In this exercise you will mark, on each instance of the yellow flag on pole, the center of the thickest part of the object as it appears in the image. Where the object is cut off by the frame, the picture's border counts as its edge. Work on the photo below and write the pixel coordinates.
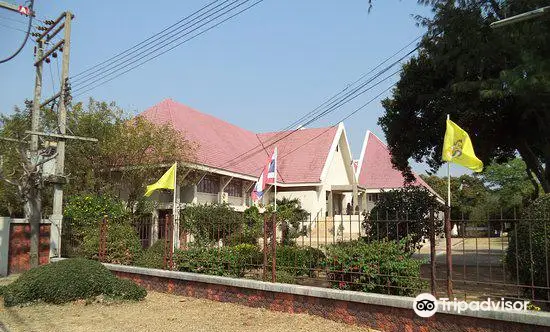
(165, 182)
(458, 148)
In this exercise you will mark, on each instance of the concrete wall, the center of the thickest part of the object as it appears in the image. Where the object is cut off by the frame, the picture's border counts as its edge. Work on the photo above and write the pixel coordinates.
(4, 244)
(378, 311)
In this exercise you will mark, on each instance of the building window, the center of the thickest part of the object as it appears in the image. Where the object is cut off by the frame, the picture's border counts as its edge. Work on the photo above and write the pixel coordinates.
(208, 184)
(234, 188)
(373, 197)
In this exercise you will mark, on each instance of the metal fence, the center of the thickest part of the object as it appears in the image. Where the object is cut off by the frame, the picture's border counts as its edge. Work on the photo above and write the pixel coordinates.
(488, 257)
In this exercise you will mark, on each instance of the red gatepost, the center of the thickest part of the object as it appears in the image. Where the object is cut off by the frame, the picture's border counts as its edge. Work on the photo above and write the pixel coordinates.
(103, 239)
(168, 243)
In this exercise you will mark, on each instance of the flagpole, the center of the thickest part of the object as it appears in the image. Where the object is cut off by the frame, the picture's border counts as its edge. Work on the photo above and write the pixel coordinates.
(448, 241)
(275, 182)
(175, 217)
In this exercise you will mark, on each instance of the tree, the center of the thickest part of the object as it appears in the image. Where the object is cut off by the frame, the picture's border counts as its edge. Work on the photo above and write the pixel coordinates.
(291, 218)
(493, 83)
(25, 167)
(128, 152)
(405, 213)
(127, 156)
(511, 182)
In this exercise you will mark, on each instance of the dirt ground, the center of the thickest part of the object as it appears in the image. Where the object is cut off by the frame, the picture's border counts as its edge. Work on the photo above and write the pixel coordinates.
(160, 312)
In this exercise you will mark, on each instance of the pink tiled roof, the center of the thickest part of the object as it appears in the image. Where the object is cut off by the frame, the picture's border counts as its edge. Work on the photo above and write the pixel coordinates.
(376, 170)
(225, 146)
(303, 154)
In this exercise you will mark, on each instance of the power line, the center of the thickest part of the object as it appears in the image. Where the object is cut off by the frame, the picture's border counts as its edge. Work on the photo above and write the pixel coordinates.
(170, 48)
(335, 124)
(245, 156)
(162, 41)
(28, 32)
(13, 28)
(142, 42)
(356, 92)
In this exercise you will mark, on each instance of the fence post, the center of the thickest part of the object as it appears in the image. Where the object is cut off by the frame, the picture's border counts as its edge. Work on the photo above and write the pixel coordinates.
(102, 239)
(448, 251)
(168, 240)
(432, 254)
(265, 249)
(274, 248)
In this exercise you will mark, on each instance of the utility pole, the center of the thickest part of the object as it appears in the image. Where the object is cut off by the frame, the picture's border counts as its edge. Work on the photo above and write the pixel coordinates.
(63, 22)
(35, 206)
(57, 215)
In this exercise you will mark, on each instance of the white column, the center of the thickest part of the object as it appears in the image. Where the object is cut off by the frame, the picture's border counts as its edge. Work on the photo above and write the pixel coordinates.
(4, 244)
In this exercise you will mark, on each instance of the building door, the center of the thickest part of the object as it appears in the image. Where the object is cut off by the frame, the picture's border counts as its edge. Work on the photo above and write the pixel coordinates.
(162, 222)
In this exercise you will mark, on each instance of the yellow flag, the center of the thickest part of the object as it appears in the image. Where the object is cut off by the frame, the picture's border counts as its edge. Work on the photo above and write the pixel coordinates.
(165, 182)
(457, 148)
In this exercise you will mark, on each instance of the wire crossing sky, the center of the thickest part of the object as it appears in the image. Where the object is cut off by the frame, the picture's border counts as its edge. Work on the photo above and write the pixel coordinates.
(260, 70)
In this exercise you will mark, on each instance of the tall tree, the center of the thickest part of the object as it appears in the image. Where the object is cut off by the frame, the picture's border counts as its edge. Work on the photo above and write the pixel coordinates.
(493, 83)
(126, 157)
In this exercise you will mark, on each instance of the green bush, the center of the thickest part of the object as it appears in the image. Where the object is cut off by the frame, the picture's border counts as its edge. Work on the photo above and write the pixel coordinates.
(298, 261)
(378, 267)
(225, 261)
(125, 289)
(69, 280)
(210, 223)
(2, 289)
(528, 249)
(122, 247)
(284, 277)
(152, 257)
(87, 211)
(413, 206)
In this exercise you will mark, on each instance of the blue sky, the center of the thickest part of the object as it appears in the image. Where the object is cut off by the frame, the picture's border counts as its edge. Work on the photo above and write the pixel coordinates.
(261, 70)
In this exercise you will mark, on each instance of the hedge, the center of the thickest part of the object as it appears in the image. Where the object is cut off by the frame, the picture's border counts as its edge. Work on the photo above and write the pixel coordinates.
(122, 247)
(224, 261)
(69, 280)
(298, 261)
(152, 257)
(529, 248)
(378, 267)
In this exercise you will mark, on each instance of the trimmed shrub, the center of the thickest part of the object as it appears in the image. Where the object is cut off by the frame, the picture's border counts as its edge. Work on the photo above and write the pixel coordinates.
(122, 247)
(528, 248)
(209, 223)
(2, 289)
(378, 267)
(69, 280)
(284, 277)
(225, 261)
(86, 211)
(152, 257)
(299, 261)
(125, 289)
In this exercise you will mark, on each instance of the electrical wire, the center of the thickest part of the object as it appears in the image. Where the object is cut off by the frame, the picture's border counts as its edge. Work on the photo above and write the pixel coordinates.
(13, 28)
(142, 42)
(153, 48)
(26, 36)
(356, 92)
(243, 157)
(174, 46)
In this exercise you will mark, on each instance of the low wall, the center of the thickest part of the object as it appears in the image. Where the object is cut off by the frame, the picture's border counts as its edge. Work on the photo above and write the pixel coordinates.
(384, 312)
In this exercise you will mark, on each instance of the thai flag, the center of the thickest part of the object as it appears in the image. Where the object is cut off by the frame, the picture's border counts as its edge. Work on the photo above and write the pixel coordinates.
(268, 176)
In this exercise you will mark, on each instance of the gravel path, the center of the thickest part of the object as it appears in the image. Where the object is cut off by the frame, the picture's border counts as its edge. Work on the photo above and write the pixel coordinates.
(161, 312)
